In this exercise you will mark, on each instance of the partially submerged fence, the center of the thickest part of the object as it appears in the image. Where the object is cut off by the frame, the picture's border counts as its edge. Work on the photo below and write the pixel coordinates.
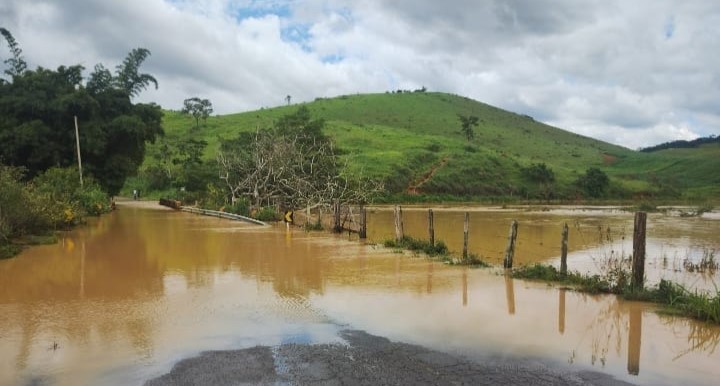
(638, 257)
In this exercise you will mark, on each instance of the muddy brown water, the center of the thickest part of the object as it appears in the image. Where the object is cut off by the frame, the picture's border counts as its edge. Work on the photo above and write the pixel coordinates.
(122, 299)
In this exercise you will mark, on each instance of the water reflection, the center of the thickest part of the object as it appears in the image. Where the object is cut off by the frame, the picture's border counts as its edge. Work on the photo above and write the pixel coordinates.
(561, 311)
(595, 237)
(510, 294)
(122, 299)
(634, 340)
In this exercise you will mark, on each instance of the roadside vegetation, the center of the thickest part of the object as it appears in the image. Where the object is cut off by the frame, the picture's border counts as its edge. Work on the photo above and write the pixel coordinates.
(31, 211)
(40, 188)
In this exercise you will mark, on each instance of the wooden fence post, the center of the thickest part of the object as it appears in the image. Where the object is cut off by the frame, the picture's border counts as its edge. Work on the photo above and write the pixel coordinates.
(638, 259)
(336, 214)
(563, 250)
(363, 223)
(399, 233)
(510, 250)
(466, 227)
(431, 227)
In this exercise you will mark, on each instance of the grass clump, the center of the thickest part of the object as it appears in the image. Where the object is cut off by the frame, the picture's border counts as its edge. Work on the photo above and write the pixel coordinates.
(673, 297)
(587, 283)
(417, 245)
(9, 250)
(438, 251)
(313, 226)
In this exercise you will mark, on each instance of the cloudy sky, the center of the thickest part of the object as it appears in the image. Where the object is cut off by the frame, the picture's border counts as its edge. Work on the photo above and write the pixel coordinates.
(634, 73)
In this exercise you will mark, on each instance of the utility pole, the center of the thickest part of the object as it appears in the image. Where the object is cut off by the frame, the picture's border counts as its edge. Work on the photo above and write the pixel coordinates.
(77, 143)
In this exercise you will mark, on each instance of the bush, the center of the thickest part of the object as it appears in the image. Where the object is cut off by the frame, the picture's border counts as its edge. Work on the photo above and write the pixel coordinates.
(594, 182)
(241, 207)
(267, 214)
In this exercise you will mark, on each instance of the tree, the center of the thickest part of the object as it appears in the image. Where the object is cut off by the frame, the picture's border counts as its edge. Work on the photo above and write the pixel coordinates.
(542, 175)
(37, 130)
(16, 62)
(594, 182)
(291, 164)
(127, 76)
(198, 108)
(288, 98)
(468, 123)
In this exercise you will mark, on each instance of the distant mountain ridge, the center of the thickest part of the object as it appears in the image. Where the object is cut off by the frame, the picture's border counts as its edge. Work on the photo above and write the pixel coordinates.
(682, 144)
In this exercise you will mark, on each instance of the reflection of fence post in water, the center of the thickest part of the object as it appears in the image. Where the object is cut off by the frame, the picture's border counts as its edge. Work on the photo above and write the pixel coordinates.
(634, 340)
(398, 224)
(429, 277)
(336, 217)
(464, 287)
(638, 260)
(563, 250)
(561, 312)
(363, 223)
(510, 294)
(510, 250)
(466, 228)
(431, 227)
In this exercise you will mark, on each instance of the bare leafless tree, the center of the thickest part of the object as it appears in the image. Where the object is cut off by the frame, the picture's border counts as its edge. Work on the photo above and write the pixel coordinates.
(295, 168)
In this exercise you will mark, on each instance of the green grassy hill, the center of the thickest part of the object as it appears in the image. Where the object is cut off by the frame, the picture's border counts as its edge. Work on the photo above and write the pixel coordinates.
(413, 141)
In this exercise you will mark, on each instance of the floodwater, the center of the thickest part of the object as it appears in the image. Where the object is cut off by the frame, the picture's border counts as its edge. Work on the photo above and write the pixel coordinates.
(121, 300)
(599, 238)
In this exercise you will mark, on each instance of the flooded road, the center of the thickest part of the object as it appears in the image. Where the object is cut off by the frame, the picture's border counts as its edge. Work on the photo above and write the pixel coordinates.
(121, 300)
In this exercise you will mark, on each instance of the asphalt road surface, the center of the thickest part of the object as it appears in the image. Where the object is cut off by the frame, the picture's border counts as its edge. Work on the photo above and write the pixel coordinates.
(364, 360)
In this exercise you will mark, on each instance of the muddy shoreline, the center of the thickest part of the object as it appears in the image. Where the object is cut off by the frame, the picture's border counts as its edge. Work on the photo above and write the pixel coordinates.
(365, 360)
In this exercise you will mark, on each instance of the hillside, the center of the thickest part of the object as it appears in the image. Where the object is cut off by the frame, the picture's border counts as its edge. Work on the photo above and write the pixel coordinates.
(413, 141)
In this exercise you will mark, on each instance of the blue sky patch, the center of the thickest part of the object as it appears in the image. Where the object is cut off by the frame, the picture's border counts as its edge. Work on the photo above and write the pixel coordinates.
(298, 34)
(332, 59)
(669, 28)
(259, 10)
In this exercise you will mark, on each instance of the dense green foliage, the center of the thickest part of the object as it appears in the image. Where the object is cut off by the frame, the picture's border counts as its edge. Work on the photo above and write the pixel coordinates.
(414, 139)
(38, 108)
(52, 200)
(594, 182)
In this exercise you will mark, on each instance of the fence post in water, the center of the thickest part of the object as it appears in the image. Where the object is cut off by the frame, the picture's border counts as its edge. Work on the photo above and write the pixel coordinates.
(431, 227)
(563, 250)
(398, 224)
(510, 250)
(638, 259)
(363, 223)
(336, 217)
(466, 227)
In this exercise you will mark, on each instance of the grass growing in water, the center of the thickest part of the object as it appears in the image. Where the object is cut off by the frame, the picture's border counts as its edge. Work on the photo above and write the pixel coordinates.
(674, 298)
(9, 250)
(439, 251)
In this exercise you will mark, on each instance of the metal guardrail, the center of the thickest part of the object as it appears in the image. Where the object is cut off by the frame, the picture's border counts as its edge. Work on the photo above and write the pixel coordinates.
(215, 213)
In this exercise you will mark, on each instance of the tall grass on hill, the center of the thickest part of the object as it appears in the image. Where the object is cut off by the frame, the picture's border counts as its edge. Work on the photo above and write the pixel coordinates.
(401, 137)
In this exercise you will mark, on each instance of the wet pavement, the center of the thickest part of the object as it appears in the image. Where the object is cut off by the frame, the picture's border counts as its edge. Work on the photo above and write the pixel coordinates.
(364, 360)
